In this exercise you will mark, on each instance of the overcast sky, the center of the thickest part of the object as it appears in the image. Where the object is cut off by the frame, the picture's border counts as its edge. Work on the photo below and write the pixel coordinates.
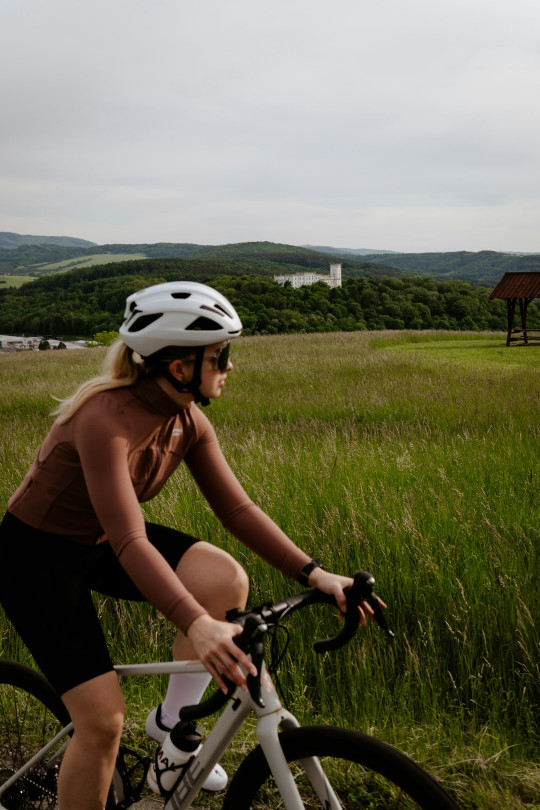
(408, 126)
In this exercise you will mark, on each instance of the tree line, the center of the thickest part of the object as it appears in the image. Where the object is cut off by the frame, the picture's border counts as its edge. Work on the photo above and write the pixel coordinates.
(375, 302)
(81, 303)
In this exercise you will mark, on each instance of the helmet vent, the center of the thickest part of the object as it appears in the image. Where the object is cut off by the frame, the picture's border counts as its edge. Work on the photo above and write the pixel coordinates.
(217, 309)
(180, 295)
(144, 321)
(203, 324)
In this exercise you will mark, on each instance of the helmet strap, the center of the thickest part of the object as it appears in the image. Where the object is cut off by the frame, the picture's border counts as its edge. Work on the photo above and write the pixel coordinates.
(192, 387)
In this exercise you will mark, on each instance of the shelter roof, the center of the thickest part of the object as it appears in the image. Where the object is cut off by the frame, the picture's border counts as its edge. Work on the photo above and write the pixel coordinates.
(518, 285)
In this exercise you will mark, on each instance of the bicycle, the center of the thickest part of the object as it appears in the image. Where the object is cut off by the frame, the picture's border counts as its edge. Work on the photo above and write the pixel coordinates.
(292, 766)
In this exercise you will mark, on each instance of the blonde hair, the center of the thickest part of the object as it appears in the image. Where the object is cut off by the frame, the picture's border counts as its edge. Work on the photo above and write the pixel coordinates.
(122, 367)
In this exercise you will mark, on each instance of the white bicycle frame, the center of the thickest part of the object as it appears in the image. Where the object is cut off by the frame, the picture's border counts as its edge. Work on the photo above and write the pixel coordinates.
(270, 719)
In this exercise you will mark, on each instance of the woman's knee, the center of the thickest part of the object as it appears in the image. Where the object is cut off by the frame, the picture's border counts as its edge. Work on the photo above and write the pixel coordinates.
(213, 576)
(232, 575)
(97, 709)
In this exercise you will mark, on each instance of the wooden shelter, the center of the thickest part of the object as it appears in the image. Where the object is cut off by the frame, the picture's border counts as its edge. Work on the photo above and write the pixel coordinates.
(522, 287)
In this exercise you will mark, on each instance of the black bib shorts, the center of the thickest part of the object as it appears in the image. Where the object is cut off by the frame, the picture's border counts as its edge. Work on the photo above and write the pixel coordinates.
(46, 584)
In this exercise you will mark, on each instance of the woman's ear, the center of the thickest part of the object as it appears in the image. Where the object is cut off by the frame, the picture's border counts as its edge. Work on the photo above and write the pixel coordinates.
(176, 368)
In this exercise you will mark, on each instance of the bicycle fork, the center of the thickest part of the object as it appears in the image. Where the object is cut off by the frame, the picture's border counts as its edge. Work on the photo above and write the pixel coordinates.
(267, 733)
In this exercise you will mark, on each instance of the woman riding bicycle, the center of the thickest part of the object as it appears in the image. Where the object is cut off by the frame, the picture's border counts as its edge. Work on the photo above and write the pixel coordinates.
(75, 526)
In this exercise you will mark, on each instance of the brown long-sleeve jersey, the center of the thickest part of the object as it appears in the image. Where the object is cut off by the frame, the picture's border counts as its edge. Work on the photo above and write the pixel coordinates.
(118, 450)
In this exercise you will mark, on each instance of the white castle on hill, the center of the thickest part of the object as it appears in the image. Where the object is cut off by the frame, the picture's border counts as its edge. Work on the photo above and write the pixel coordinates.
(302, 279)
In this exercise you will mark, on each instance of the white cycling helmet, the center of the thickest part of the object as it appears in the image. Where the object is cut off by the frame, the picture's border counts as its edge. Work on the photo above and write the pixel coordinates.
(177, 313)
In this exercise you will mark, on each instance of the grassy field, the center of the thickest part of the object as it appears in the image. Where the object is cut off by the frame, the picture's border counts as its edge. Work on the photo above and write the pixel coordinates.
(412, 455)
(83, 261)
(76, 263)
(86, 261)
(14, 281)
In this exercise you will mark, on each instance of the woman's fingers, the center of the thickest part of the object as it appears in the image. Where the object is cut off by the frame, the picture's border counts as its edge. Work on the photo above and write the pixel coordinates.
(214, 644)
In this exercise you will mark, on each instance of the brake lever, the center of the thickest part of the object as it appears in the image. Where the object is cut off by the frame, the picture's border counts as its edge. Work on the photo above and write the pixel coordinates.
(251, 640)
(360, 591)
(378, 615)
(254, 681)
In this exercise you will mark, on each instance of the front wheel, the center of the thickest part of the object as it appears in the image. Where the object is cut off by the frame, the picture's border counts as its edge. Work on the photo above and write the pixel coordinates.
(364, 774)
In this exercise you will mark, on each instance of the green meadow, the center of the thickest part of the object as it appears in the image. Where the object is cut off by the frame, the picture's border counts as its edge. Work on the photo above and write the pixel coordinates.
(14, 281)
(85, 261)
(412, 455)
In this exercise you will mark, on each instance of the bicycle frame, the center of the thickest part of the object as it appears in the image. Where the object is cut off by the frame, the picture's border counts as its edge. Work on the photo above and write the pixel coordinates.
(270, 719)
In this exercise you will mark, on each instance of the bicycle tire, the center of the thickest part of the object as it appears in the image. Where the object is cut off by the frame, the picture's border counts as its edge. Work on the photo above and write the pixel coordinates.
(365, 773)
(31, 713)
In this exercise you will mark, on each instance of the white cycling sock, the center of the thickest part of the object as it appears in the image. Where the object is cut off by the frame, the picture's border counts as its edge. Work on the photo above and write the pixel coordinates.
(184, 689)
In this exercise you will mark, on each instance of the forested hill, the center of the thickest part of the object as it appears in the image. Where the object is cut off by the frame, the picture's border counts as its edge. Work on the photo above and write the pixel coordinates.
(84, 302)
(11, 241)
(45, 259)
(37, 260)
(485, 267)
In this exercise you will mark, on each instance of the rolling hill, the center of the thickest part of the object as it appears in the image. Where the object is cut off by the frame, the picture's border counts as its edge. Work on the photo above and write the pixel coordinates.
(27, 256)
(11, 241)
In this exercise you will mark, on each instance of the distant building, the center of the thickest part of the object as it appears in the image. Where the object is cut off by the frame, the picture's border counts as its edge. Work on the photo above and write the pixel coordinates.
(14, 343)
(303, 279)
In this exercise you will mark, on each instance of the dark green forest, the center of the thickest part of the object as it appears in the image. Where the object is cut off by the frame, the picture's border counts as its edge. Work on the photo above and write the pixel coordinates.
(86, 301)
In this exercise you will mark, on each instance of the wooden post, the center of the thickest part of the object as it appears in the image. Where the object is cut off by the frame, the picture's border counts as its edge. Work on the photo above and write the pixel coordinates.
(511, 311)
(523, 313)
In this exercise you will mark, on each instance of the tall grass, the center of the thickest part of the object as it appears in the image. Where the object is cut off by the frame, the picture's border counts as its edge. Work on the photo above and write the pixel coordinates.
(397, 453)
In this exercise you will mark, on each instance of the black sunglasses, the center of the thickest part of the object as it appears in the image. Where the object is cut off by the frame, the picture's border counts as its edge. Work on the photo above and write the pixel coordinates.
(222, 358)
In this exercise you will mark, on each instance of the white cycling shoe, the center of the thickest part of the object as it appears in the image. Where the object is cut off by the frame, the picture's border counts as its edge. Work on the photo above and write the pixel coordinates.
(155, 729)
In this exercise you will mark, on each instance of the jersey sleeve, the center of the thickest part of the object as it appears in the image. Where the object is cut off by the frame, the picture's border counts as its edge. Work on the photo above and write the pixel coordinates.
(235, 509)
(102, 441)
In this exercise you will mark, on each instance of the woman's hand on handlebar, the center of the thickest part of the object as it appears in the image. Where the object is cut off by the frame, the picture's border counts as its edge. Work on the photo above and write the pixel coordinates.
(214, 646)
(335, 585)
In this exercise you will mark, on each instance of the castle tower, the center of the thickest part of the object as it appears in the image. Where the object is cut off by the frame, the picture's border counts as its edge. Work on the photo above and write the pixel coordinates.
(335, 275)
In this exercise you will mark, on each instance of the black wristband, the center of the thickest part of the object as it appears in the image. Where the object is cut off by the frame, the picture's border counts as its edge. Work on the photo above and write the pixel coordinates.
(302, 577)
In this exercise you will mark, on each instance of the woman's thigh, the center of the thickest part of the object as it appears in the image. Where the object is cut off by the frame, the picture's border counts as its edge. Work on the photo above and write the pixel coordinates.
(43, 593)
(46, 585)
(111, 579)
